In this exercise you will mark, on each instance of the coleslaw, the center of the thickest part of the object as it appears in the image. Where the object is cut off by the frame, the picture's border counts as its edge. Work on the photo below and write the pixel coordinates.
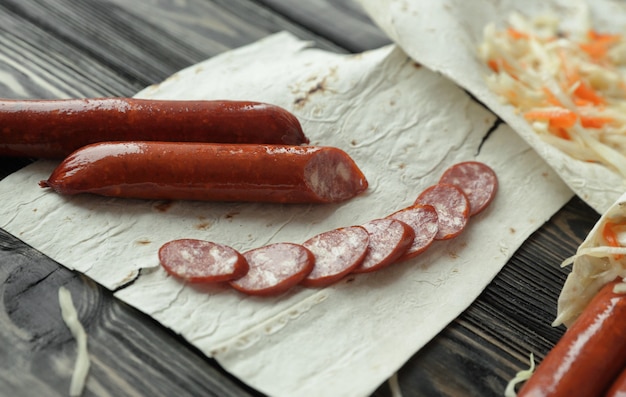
(570, 87)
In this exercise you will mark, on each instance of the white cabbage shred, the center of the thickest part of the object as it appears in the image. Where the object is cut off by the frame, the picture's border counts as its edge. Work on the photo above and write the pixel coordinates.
(70, 317)
(520, 377)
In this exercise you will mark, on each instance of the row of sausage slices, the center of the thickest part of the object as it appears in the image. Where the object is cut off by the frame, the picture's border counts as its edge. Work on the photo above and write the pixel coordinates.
(440, 212)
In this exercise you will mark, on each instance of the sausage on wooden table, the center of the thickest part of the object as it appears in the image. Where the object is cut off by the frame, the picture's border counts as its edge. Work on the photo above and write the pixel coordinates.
(55, 128)
(591, 353)
(210, 172)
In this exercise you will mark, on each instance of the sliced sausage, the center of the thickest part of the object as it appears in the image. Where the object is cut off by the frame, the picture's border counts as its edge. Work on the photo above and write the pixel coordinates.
(210, 172)
(274, 269)
(202, 261)
(591, 353)
(337, 252)
(452, 208)
(477, 180)
(389, 240)
(55, 128)
(424, 222)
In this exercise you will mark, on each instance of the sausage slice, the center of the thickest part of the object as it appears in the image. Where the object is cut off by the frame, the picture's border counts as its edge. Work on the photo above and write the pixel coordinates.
(274, 269)
(202, 261)
(337, 252)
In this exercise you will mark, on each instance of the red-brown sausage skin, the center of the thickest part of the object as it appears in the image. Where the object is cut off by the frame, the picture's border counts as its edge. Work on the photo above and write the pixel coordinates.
(590, 354)
(210, 172)
(55, 128)
(618, 388)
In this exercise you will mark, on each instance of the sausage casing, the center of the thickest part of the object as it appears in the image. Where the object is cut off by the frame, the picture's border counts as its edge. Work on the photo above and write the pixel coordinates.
(590, 354)
(210, 172)
(55, 128)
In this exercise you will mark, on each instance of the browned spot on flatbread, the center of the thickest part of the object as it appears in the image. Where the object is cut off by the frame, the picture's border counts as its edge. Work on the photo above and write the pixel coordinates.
(512, 230)
(319, 87)
(301, 101)
(143, 242)
(163, 206)
(203, 225)
(231, 214)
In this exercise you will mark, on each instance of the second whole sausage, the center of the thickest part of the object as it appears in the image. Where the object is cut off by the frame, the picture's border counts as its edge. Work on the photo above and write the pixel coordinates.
(210, 172)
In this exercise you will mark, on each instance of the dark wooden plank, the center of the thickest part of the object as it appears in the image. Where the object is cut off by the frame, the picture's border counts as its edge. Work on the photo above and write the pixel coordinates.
(130, 354)
(350, 27)
(146, 41)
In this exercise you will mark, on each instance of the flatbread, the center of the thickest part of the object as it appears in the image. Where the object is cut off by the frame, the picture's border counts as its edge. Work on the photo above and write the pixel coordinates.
(403, 125)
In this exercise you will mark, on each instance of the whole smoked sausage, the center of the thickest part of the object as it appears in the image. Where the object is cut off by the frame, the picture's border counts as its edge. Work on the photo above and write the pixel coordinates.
(210, 172)
(589, 356)
(55, 128)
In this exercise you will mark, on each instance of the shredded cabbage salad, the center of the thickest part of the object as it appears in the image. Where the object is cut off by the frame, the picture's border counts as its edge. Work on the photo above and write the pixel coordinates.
(570, 87)
(600, 259)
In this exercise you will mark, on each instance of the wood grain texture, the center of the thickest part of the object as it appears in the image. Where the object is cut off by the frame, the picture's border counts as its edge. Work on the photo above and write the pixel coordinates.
(90, 48)
(130, 354)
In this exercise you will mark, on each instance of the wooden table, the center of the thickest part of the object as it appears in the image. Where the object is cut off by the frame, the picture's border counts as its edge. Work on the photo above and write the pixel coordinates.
(94, 48)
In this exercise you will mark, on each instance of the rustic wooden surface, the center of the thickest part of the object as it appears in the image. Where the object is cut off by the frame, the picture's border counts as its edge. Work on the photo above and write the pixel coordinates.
(91, 48)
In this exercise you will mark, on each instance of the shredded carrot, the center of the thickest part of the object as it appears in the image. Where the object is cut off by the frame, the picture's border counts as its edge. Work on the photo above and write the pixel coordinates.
(516, 34)
(558, 118)
(594, 122)
(493, 65)
(560, 133)
(598, 44)
(604, 37)
(608, 233)
(581, 102)
(551, 98)
(585, 92)
(499, 64)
